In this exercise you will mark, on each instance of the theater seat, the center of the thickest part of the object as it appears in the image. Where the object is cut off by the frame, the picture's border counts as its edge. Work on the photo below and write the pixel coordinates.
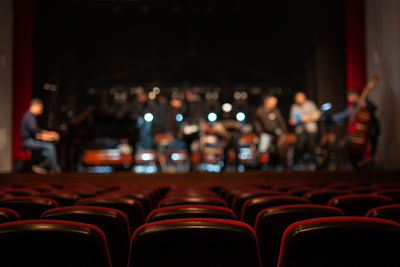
(359, 204)
(391, 212)
(132, 208)
(49, 243)
(63, 198)
(393, 193)
(272, 222)
(253, 206)
(174, 201)
(191, 193)
(300, 191)
(21, 192)
(190, 211)
(8, 215)
(322, 196)
(341, 241)
(112, 222)
(29, 207)
(194, 242)
(143, 198)
(5, 195)
(240, 198)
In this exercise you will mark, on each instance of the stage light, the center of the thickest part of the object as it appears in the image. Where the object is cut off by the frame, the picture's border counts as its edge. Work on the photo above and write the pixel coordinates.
(179, 117)
(148, 117)
(237, 95)
(152, 95)
(147, 156)
(175, 156)
(326, 106)
(227, 107)
(212, 117)
(156, 90)
(215, 95)
(240, 116)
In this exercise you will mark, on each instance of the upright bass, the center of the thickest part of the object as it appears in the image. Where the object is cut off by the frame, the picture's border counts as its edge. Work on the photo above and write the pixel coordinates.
(359, 126)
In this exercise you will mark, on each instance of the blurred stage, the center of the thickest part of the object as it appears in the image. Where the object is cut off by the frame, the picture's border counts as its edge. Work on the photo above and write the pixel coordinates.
(290, 178)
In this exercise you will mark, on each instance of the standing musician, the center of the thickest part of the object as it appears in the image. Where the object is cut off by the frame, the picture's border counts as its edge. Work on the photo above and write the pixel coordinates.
(304, 115)
(362, 125)
(35, 138)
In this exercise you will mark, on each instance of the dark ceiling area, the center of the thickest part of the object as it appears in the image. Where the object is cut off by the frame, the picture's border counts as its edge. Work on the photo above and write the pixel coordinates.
(100, 44)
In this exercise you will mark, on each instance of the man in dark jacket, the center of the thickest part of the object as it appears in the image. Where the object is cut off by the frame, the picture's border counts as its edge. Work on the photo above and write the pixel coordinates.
(271, 128)
(34, 137)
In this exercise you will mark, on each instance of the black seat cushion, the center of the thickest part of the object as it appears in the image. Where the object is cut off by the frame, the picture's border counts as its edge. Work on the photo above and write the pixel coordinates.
(194, 242)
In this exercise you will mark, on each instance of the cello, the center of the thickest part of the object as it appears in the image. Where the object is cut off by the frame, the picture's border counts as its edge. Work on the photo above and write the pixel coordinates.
(359, 127)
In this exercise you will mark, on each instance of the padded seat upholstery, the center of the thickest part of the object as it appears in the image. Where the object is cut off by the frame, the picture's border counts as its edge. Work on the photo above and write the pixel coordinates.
(112, 222)
(272, 222)
(190, 211)
(29, 207)
(49, 243)
(341, 241)
(194, 242)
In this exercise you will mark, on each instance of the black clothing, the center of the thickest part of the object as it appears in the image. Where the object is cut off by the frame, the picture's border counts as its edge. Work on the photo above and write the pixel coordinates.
(271, 122)
(170, 123)
(29, 126)
(193, 111)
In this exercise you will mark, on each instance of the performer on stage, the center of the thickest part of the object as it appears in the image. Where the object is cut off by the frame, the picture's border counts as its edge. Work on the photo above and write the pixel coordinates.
(351, 113)
(271, 128)
(35, 138)
(304, 115)
(139, 107)
(172, 125)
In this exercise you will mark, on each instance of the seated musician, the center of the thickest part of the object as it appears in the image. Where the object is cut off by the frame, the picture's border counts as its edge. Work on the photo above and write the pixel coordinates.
(271, 128)
(304, 115)
(351, 113)
(35, 138)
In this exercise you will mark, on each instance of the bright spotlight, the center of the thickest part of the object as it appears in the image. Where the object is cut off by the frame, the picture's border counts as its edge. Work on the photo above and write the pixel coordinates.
(240, 116)
(326, 106)
(179, 117)
(227, 107)
(212, 117)
(148, 117)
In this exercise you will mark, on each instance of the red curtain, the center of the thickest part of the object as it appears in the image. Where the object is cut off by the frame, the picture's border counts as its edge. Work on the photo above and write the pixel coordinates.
(22, 69)
(355, 44)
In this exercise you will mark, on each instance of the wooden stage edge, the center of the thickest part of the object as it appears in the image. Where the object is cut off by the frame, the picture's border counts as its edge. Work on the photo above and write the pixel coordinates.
(197, 178)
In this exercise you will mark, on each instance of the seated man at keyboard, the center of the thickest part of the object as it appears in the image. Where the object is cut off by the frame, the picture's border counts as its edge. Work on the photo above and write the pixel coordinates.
(35, 138)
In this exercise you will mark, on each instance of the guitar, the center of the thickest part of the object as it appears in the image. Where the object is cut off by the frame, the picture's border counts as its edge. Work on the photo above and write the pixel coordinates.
(360, 126)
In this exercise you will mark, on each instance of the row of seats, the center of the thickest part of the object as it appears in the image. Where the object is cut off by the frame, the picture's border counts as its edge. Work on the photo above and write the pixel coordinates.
(197, 226)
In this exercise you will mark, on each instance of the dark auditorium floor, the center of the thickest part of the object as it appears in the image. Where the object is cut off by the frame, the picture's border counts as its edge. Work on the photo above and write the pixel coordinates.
(197, 178)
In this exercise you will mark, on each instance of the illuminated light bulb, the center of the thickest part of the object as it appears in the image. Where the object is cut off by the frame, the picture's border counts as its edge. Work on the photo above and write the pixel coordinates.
(212, 117)
(179, 117)
(240, 116)
(148, 117)
(227, 107)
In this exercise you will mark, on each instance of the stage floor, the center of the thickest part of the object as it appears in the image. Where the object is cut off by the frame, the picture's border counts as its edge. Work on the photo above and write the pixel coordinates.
(201, 178)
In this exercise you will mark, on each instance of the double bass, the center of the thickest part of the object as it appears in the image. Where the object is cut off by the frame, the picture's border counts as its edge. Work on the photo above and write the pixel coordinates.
(359, 127)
